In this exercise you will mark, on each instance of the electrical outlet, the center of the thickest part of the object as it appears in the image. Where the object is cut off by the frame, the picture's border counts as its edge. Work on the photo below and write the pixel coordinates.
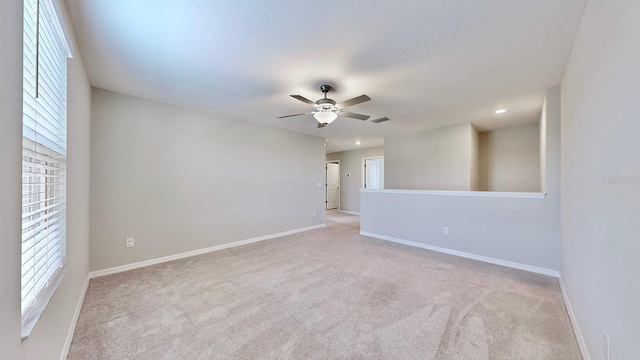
(605, 345)
(445, 230)
(315, 213)
(131, 242)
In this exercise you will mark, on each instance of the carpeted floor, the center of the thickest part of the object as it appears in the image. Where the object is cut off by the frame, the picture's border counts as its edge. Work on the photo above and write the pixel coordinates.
(324, 294)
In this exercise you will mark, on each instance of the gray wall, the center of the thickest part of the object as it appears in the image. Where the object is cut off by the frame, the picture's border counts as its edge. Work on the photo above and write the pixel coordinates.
(474, 159)
(550, 149)
(437, 159)
(543, 148)
(10, 175)
(510, 159)
(180, 180)
(525, 231)
(515, 230)
(48, 337)
(600, 165)
(351, 175)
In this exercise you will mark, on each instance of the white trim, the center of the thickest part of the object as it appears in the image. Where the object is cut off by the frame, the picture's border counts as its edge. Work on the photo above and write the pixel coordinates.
(574, 322)
(487, 259)
(491, 194)
(137, 265)
(74, 321)
(350, 212)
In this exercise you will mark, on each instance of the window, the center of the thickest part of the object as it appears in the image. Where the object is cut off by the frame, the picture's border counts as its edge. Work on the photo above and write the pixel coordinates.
(44, 153)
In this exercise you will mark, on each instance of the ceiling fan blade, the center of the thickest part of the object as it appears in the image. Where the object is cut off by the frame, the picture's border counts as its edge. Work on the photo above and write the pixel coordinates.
(286, 116)
(353, 115)
(354, 101)
(303, 99)
(321, 125)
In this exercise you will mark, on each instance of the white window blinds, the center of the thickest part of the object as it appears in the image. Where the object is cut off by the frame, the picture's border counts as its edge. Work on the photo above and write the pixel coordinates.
(44, 153)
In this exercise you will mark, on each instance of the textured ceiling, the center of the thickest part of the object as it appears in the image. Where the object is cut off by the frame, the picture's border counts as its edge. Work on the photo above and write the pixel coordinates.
(425, 64)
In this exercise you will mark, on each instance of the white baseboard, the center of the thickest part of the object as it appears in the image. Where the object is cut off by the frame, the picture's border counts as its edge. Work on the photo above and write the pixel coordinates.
(349, 212)
(574, 322)
(74, 321)
(137, 265)
(487, 259)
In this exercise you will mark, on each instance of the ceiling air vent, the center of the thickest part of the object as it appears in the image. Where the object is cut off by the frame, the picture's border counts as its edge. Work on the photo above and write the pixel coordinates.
(379, 120)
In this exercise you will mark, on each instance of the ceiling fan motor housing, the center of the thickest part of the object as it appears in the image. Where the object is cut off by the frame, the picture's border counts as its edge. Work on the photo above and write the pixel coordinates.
(326, 105)
(325, 102)
(325, 88)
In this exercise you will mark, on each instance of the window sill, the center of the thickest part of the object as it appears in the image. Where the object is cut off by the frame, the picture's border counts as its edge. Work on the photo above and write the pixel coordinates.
(33, 315)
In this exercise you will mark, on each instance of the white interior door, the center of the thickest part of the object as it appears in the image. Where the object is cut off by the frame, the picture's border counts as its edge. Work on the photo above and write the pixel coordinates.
(374, 173)
(333, 186)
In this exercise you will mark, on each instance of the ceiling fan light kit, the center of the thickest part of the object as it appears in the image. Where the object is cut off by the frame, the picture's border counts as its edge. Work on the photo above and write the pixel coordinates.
(326, 110)
(325, 116)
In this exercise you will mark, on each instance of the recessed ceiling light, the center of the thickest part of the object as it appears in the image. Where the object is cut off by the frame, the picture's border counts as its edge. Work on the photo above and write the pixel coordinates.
(357, 142)
(500, 111)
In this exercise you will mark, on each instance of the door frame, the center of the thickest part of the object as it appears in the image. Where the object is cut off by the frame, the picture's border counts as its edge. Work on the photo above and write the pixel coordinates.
(362, 167)
(326, 185)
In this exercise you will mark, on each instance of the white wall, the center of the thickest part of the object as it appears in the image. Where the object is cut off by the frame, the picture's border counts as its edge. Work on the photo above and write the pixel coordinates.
(180, 180)
(510, 159)
(351, 175)
(438, 159)
(600, 165)
(47, 339)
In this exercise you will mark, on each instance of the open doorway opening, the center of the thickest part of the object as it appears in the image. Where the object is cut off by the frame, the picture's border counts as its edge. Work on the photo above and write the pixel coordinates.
(373, 172)
(333, 184)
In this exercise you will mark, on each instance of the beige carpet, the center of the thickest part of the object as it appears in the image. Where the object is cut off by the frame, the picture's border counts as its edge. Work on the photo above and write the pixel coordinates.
(324, 294)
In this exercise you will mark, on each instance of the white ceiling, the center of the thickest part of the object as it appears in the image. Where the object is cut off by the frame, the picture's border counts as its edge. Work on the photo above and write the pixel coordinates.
(424, 63)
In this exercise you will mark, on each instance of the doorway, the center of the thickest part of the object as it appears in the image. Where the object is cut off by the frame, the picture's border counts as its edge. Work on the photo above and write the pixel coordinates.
(373, 172)
(333, 184)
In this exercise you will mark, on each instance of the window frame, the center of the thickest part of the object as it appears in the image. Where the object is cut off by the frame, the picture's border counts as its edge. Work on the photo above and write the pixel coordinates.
(43, 160)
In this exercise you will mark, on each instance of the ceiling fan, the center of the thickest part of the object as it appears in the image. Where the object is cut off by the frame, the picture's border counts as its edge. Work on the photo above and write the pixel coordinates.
(326, 110)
